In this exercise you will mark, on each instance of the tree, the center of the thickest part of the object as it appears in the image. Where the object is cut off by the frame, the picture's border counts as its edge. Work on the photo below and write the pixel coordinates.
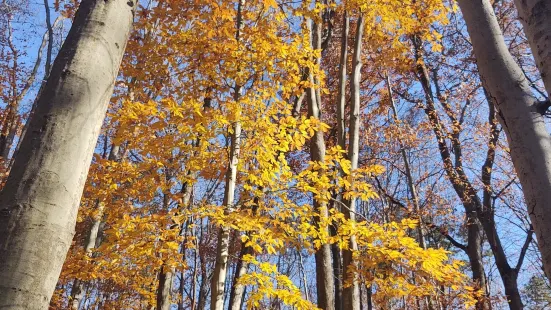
(41, 197)
(520, 114)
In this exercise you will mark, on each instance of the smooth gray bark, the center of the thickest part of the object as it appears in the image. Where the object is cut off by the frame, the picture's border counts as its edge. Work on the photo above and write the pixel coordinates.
(351, 291)
(519, 113)
(40, 200)
(218, 284)
(535, 16)
(341, 99)
(323, 257)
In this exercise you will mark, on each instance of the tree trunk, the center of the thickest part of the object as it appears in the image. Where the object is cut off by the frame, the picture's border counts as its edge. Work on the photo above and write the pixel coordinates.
(520, 115)
(164, 289)
(324, 269)
(40, 201)
(94, 240)
(222, 250)
(341, 103)
(238, 290)
(535, 16)
(351, 291)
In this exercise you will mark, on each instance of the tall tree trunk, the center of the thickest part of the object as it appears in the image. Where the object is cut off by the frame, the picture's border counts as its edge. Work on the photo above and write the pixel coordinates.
(222, 250)
(535, 16)
(93, 241)
(238, 290)
(341, 100)
(165, 287)
(520, 115)
(408, 173)
(204, 286)
(351, 291)
(341, 141)
(40, 200)
(324, 269)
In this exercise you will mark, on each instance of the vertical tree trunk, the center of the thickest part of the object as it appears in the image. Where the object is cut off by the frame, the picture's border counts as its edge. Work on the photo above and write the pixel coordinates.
(164, 289)
(351, 291)
(341, 141)
(39, 203)
(93, 241)
(204, 286)
(519, 113)
(238, 290)
(324, 269)
(222, 251)
(341, 102)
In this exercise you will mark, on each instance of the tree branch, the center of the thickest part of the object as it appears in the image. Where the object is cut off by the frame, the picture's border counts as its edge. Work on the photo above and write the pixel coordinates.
(524, 249)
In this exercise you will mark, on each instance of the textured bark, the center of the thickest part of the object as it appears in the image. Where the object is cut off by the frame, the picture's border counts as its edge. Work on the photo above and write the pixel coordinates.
(351, 291)
(164, 289)
(519, 114)
(324, 268)
(535, 16)
(40, 201)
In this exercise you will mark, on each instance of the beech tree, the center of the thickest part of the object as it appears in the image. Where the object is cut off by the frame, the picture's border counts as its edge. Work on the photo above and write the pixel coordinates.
(41, 197)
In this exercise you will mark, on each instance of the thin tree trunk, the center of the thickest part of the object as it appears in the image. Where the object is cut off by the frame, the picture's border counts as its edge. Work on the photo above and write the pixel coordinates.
(341, 102)
(519, 113)
(40, 200)
(204, 286)
(508, 274)
(222, 250)
(238, 290)
(456, 175)
(79, 287)
(409, 174)
(303, 275)
(324, 268)
(341, 141)
(351, 291)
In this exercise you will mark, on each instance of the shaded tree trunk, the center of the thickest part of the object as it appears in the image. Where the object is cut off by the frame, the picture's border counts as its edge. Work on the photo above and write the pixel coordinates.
(39, 203)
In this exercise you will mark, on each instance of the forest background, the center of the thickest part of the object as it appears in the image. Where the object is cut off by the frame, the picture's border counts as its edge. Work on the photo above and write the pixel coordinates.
(290, 154)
